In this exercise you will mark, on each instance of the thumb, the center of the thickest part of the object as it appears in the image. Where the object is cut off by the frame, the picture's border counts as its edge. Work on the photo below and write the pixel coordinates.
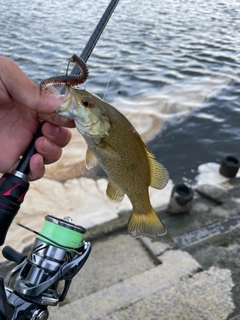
(23, 90)
(47, 102)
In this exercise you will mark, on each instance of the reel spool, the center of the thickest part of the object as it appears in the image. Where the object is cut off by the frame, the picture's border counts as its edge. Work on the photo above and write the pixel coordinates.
(58, 253)
(64, 233)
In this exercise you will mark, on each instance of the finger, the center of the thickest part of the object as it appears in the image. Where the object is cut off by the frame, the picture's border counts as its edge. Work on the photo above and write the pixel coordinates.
(58, 120)
(50, 151)
(57, 134)
(37, 168)
(23, 90)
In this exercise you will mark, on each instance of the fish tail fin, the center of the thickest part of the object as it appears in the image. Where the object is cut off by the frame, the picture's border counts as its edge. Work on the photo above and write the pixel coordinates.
(145, 225)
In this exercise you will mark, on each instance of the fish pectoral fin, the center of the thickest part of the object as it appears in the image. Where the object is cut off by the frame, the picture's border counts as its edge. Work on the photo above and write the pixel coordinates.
(114, 193)
(159, 174)
(109, 150)
(91, 160)
(147, 224)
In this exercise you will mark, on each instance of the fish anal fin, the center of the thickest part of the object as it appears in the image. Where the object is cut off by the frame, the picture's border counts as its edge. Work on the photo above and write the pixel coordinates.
(90, 160)
(145, 225)
(159, 174)
(113, 192)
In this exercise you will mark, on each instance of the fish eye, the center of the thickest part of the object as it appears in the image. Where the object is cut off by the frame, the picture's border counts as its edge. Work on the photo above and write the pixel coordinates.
(86, 103)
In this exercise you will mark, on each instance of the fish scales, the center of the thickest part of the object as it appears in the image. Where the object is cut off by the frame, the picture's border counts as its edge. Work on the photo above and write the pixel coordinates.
(128, 170)
(127, 173)
(120, 151)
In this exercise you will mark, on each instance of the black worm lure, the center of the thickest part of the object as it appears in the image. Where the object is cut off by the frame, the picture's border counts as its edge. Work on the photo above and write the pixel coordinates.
(68, 80)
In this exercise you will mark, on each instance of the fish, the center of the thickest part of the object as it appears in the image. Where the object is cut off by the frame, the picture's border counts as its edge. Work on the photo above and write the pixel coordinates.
(115, 144)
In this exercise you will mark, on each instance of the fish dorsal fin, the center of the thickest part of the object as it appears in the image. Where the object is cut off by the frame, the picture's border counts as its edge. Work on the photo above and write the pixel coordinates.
(113, 192)
(159, 174)
(90, 161)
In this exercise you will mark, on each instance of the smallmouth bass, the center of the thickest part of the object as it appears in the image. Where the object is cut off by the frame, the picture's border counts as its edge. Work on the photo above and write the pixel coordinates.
(115, 144)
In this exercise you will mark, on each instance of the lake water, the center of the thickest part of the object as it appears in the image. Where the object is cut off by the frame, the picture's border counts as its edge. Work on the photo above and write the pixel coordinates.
(175, 60)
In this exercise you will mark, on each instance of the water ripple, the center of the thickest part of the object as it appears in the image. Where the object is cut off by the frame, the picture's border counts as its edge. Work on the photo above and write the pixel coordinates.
(144, 49)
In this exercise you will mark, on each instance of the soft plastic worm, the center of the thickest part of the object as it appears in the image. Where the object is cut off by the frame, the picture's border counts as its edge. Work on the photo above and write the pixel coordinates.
(68, 80)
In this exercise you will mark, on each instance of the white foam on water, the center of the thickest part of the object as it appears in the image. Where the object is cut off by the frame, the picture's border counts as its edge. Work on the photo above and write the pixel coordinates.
(150, 111)
(209, 174)
(177, 98)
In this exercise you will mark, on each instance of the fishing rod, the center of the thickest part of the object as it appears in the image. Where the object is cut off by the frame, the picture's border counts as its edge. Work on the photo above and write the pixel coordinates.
(59, 251)
(13, 186)
(96, 34)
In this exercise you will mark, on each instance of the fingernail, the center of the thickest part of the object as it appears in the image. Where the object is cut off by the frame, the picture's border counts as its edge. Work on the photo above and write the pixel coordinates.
(60, 97)
(41, 163)
(46, 146)
(55, 100)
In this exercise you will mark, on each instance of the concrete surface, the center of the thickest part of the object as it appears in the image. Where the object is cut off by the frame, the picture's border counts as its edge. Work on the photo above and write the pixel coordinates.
(192, 273)
(175, 289)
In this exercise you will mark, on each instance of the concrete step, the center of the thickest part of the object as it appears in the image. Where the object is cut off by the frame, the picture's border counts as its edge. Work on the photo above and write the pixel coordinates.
(175, 289)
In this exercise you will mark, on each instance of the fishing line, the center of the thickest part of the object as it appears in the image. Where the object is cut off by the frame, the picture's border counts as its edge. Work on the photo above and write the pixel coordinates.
(110, 75)
(85, 55)
(92, 43)
(118, 55)
(80, 190)
(66, 235)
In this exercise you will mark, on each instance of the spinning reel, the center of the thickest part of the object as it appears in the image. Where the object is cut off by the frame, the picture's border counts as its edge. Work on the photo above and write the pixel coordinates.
(34, 284)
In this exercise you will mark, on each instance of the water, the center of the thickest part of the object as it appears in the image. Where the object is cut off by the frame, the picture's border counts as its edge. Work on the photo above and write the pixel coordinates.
(176, 60)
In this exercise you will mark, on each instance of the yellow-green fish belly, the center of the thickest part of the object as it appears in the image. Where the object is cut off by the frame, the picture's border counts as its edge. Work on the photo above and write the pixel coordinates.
(122, 156)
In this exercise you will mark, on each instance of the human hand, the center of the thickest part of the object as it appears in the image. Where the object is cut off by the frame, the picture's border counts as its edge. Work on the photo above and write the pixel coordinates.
(22, 108)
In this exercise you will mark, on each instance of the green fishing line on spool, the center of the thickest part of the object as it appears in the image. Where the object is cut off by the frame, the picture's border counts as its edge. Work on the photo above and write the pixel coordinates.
(63, 232)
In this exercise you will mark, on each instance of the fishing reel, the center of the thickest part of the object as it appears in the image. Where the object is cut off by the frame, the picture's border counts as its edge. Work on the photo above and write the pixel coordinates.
(43, 278)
